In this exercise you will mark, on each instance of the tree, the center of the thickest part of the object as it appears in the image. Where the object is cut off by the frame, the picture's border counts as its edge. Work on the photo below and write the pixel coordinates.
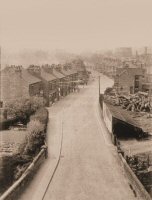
(22, 108)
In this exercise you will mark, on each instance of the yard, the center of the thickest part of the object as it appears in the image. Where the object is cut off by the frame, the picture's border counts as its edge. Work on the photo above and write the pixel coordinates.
(11, 139)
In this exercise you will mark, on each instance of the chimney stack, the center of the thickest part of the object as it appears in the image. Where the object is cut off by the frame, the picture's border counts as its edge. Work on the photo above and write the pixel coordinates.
(34, 70)
(16, 69)
(48, 68)
(58, 67)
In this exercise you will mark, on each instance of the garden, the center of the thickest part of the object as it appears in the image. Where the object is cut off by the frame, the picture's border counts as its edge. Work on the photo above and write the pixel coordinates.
(21, 144)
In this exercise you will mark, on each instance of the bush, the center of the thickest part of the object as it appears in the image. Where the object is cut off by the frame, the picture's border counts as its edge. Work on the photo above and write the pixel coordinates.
(5, 124)
(21, 109)
(36, 103)
(41, 115)
(108, 90)
(36, 131)
(35, 137)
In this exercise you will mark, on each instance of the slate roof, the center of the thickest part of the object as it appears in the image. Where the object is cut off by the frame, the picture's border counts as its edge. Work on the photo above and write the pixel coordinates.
(131, 71)
(136, 119)
(47, 76)
(66, 72)
(57, 74)
(73, 71)
(30, 79)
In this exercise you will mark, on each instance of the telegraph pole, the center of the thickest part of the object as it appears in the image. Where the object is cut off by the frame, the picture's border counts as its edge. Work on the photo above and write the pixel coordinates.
(0, 73)
(99, 86)
(0, 57)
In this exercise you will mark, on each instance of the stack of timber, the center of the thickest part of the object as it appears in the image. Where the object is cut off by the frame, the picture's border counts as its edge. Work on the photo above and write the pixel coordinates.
(135, 109)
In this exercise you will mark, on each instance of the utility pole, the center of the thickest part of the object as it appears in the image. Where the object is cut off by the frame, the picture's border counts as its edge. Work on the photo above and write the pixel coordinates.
(99, 86)
(0, 57)
(0, 73)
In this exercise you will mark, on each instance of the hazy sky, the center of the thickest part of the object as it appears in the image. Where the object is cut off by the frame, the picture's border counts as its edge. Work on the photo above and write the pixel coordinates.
(75, 25)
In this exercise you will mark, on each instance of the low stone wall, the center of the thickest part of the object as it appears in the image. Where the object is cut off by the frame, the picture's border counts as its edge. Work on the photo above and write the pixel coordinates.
(18, 187)
(134, 182)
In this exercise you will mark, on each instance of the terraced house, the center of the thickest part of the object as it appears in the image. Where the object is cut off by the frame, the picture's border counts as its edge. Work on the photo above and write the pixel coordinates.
(17, 82)
(79, 66)
(63, 89)
(129, 80)
(71, 77)
(49, 82)
(59, 83)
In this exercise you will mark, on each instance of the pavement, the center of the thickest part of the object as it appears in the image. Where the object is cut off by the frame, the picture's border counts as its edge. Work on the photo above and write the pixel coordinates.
(89, 167)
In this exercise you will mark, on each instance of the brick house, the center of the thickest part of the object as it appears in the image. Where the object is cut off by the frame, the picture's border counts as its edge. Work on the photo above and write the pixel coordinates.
(58, 71)
(129, 80)
(66, 73)
(79, 66)
(16, 83)
(147, 84)
(72, 76)
(146, 60)
(50, 69)
(31, 84)
(61, 79)
(49, 82)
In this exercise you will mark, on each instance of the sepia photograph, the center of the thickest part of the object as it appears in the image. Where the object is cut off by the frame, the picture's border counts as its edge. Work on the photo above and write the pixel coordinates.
(76, 100)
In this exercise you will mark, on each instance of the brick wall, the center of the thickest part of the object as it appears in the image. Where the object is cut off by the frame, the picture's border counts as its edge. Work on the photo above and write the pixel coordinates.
(11, 85)
(124, 82)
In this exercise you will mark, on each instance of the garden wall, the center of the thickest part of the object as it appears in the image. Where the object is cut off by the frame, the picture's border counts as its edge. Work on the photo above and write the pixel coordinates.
(17, 188)
(135, 184)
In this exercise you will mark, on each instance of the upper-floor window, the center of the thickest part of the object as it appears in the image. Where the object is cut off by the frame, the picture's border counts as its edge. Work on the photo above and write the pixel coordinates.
(1, 104)
(136, 77)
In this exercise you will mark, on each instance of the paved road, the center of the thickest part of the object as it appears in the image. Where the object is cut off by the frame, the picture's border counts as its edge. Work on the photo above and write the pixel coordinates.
(89, 168)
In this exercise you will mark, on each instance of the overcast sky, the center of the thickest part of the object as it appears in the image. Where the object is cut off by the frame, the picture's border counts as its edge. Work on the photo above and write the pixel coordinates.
(75, 25)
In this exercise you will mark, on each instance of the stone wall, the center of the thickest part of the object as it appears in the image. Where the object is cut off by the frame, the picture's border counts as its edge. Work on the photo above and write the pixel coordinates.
(134, 182)
(19, 186)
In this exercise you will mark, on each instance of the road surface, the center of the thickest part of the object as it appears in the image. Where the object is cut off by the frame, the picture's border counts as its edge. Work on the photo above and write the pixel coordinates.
(89, 167)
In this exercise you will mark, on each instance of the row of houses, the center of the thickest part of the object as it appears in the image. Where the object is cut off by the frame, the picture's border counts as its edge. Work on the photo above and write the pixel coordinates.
(48, 81)
(108, 65)
(130, 76)
(129, 80)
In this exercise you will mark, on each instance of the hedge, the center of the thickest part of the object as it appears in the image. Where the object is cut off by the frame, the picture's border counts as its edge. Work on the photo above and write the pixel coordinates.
(20, 110)
(5, 124)
(41, 115)
(36, 131)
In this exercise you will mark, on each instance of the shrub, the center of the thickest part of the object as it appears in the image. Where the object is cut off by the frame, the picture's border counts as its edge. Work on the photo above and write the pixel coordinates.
(21, 109)
(36, 103)
(41, 115)
(35, 136)
(108, 90)
(5, 124)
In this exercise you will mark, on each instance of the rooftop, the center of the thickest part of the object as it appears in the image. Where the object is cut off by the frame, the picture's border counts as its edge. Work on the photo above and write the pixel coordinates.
(139, 120)
(58, 74)
(28, 77)
(66, 72)
(47, 76)
(131, 71)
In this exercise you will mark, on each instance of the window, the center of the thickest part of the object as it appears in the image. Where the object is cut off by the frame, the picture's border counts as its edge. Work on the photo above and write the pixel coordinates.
(1, 104)
(137, 82)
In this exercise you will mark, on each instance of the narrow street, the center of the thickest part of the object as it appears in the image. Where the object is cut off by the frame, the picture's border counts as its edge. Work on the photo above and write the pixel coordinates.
(89, 168)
